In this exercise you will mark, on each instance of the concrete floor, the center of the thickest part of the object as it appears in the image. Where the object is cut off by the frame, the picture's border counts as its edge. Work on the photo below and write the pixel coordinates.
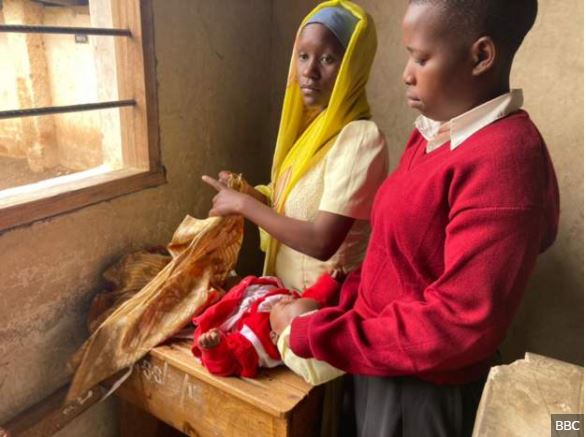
(15, 172)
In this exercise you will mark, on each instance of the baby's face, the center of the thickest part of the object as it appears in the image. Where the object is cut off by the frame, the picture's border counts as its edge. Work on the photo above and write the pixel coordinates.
(289, 307)
(294, 307)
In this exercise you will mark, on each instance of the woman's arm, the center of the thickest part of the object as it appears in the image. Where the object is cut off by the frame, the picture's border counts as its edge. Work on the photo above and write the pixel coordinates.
(319, 239)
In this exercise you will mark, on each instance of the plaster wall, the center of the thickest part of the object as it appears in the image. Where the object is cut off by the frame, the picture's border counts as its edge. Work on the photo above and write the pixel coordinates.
(549, 67)
(213, 103)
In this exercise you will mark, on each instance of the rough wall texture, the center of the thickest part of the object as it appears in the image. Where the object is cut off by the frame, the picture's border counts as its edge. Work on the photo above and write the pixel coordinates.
(212, 64)
(551, 320)
(549, 67)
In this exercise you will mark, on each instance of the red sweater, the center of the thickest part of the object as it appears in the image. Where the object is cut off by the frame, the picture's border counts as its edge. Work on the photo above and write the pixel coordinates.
(455, 236)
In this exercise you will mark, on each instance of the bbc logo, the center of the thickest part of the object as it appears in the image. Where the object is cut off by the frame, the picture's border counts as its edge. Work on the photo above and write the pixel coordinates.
(567, 425)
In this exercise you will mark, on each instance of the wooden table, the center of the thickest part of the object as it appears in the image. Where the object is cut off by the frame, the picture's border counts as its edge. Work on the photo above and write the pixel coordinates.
(171, 385)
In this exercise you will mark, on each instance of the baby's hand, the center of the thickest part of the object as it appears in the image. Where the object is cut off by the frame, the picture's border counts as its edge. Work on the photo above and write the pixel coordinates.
(339, 274)
(210, 339)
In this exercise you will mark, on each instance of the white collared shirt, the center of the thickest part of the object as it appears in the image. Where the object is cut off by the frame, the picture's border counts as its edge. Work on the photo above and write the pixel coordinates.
(460, 128)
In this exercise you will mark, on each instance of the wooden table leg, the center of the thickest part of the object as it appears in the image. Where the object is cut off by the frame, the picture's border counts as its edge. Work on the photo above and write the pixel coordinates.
(135, 422)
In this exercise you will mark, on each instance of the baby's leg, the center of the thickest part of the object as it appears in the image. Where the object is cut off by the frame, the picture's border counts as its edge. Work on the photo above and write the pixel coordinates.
(209, 339)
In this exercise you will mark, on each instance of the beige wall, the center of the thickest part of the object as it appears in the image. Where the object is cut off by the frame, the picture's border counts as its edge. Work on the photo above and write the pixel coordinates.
(213, 102)
(549, 67)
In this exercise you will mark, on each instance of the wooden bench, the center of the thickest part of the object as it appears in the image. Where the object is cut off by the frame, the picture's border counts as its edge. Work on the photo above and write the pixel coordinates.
(171, 385)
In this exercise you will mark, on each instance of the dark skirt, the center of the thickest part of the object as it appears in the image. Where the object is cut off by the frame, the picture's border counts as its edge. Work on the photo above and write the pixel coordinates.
(408, 407)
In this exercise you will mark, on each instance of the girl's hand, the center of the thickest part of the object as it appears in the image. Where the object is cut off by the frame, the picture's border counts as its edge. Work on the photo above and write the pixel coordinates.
(224, 176)
(227, 201)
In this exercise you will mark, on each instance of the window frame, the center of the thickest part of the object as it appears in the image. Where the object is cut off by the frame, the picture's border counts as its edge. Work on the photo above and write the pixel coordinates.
(142, 166)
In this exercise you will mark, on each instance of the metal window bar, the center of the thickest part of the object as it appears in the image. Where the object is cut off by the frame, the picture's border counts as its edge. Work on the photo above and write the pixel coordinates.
(15, 113)
(20, 28)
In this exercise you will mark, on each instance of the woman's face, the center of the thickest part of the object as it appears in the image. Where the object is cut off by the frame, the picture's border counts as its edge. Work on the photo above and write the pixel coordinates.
(319, 55)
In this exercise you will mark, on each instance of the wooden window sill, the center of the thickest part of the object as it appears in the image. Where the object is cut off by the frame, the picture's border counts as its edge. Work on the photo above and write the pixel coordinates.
(28, 203)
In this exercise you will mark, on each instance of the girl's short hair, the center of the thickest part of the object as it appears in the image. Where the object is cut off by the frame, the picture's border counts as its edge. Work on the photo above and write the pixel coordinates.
(505, 21)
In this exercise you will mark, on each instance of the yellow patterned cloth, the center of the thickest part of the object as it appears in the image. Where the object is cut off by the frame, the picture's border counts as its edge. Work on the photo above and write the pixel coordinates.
(125, 278)
(299, 149)
(203, 253)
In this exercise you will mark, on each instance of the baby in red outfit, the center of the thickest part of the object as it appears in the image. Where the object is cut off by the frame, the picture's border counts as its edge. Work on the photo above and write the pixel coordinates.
(234, 336)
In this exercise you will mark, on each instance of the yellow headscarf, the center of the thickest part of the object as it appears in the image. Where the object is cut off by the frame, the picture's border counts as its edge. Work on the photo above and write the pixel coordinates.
(299, 150)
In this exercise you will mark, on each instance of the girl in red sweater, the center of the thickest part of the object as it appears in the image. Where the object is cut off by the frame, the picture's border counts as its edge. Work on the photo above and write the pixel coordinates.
(456, 230)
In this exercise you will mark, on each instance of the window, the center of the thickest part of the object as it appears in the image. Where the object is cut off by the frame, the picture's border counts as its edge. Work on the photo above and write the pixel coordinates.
(78, 114)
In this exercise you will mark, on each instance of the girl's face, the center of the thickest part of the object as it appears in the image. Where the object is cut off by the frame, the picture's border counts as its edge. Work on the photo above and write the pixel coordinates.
(319, 55)
(438, 73)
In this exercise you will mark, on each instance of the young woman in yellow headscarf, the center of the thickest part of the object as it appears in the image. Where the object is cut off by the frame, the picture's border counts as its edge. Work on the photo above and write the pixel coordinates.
(329, 159)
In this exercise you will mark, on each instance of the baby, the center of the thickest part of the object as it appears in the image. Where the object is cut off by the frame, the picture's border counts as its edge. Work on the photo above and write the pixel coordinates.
(234, 336)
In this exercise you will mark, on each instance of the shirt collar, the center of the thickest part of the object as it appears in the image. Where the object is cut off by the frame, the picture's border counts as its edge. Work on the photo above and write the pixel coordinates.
(460, 128)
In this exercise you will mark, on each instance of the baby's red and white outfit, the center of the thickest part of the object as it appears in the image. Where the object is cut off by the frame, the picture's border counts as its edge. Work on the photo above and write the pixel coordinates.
(242, 317)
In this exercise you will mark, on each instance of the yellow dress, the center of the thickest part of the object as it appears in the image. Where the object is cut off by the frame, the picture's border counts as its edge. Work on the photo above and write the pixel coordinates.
(335, 164)
(344, 182)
